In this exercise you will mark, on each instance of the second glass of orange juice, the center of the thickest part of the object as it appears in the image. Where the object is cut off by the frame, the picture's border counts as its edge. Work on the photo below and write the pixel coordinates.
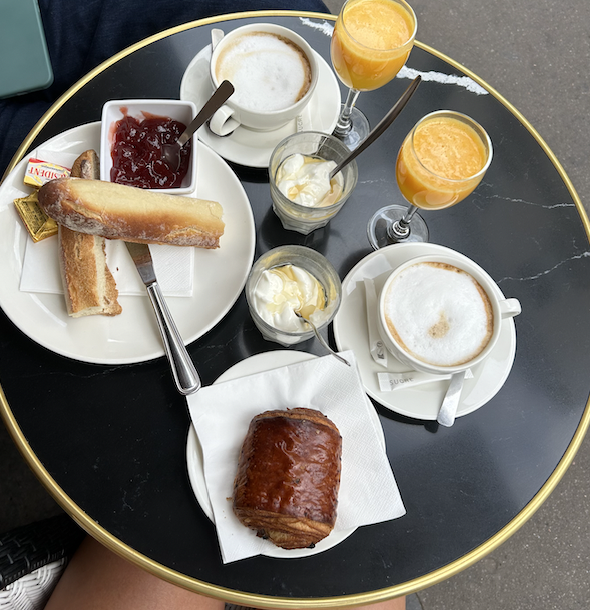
(370, 44)
(441, 161)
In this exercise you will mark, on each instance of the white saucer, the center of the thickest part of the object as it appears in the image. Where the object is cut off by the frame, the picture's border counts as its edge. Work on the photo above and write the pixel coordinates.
(421, 402)
(254, 148)
(259, 363)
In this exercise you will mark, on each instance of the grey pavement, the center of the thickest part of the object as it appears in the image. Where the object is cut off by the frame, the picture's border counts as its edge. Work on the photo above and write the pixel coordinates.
(536, 54)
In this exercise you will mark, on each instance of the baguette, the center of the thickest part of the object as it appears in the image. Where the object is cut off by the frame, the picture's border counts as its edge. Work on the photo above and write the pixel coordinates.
(123, 212)
(89, 287)
(288, 477)
(86, 166)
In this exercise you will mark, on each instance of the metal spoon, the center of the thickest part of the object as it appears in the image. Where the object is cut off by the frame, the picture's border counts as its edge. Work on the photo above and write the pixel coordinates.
(321, 339)
(171, 151)
(448, 409)
(385, 122)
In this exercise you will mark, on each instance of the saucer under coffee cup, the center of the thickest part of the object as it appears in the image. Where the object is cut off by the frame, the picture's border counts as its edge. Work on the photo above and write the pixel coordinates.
(441, 314)
(275, 55)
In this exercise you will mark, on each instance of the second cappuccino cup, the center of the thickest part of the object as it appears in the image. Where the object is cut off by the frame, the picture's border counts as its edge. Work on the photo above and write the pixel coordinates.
(274, 72)
(442, 314)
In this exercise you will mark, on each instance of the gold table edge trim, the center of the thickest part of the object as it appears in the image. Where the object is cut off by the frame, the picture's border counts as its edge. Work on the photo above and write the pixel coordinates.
(249, 599)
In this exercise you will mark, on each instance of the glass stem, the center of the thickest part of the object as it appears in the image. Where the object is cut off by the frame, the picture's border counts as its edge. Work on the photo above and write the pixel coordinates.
(401, 228)
(344, 124)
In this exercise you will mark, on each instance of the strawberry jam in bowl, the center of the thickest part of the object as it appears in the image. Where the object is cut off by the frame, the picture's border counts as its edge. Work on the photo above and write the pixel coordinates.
(137, 152)
(132, 135)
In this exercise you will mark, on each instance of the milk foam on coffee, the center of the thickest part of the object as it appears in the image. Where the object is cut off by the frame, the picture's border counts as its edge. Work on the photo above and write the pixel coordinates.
(438, 313)
(269, 72)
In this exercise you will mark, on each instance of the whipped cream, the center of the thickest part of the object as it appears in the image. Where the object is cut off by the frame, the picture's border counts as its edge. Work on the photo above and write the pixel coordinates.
(281, 291)
(305, 180)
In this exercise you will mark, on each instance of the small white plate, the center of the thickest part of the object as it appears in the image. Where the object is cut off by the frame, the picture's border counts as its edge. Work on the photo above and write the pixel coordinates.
(259, 363)
(421, 402)
(132, 336)
(254, 148)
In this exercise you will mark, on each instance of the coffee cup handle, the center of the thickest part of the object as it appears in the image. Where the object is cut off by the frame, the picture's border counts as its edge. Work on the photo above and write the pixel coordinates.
(222, 122)
(510, 308)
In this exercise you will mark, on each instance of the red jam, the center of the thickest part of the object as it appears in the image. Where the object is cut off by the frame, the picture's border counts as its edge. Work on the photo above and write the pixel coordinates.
(137, 152)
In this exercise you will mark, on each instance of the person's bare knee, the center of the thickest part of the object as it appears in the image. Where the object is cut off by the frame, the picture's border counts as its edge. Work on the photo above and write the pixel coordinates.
(399, 603)
(97, 579)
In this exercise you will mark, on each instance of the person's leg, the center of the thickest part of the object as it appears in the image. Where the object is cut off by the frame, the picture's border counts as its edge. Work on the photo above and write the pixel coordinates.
(399, 603)
(97, 579)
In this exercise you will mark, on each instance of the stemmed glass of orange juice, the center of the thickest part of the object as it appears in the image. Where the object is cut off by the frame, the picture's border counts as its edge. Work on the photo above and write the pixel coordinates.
(440, 162)
(370, 44)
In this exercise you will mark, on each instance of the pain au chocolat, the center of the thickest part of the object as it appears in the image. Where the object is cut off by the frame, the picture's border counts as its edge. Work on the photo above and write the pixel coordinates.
(286, 487)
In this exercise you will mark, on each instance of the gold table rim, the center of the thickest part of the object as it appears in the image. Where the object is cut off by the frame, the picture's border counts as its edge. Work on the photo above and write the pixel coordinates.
(263, 601)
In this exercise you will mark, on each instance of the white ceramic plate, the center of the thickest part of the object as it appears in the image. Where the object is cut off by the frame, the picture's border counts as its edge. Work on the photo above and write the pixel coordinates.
(194, 456)
(219, 275)
(421, 402)
(254, 148)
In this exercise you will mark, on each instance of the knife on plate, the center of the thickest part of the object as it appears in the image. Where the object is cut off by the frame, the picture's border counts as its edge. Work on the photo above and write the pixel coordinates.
(185, 375)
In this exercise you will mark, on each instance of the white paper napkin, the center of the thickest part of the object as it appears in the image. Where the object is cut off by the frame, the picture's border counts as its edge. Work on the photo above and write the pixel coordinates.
(173, 265)
(221, 414)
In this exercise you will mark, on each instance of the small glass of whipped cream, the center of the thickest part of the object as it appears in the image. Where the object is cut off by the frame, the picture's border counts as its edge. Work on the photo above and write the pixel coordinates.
(291, 279)
(303, 196)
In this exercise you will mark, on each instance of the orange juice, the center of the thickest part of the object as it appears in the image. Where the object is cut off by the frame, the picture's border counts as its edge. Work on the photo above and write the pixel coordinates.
(441, 162)
(371, 42)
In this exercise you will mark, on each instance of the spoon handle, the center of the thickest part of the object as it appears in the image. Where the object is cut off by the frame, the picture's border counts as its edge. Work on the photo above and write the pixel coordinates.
(320, 338)
(385, 122)
(448, 409)
(209, 108)
(325, 344)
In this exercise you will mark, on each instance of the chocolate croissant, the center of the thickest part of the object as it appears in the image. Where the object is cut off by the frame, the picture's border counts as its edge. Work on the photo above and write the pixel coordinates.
(286, 487)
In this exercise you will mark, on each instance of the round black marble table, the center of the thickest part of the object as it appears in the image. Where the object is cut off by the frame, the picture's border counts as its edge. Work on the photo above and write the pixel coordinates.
(108, 441)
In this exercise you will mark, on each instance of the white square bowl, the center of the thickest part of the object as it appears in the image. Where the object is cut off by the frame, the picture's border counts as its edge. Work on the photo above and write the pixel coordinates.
(115, 110)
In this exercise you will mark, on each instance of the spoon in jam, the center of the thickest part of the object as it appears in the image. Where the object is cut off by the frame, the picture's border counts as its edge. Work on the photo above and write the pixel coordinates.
(171, 151)
(320, 338)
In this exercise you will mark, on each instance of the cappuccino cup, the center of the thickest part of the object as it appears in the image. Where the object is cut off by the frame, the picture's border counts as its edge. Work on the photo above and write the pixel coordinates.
(274, 72)
(442, 314)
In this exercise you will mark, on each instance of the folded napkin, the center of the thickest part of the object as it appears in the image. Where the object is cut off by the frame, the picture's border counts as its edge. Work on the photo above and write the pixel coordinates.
(221, 414)
(173, 265)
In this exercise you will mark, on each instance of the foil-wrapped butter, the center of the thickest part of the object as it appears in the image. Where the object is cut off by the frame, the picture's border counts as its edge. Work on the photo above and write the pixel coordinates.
(38, 224)
(39, 172)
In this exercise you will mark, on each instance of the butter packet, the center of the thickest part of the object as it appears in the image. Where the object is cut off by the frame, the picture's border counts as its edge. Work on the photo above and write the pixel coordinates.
(38, 224)
(39, 172)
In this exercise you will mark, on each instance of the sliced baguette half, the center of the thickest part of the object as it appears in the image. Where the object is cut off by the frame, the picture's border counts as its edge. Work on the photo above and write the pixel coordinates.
(124, 212)
(89, 286)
